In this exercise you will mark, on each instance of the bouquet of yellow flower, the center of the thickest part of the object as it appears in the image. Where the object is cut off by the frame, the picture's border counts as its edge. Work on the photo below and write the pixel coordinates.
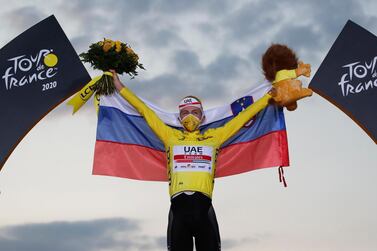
(108, 54)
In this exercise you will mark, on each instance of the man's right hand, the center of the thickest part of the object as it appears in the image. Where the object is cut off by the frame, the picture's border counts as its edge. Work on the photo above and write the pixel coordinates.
(118, 85)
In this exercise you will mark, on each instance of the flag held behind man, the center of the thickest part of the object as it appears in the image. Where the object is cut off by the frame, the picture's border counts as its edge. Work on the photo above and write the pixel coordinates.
(126, 146)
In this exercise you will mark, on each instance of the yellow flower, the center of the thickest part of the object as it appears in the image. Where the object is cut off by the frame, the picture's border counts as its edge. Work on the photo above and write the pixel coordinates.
(107, 45)
(118, 46)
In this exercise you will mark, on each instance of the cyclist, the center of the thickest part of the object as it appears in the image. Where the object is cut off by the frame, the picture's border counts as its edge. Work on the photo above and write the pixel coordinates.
(191, 166)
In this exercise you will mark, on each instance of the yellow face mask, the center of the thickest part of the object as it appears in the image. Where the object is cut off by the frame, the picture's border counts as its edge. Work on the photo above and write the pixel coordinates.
(190, 122)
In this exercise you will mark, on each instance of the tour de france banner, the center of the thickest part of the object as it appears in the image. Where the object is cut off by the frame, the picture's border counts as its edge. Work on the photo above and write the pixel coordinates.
(348, 76)
(39, 70)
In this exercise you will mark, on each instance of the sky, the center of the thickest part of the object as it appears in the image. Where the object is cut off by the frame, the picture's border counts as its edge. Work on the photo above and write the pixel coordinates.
(50, 201)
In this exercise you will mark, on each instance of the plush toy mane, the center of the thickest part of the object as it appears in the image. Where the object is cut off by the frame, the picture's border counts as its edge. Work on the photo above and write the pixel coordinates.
(278, 57)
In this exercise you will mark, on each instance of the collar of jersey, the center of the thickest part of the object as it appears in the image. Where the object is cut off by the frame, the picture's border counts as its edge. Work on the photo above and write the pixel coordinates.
(194, 133)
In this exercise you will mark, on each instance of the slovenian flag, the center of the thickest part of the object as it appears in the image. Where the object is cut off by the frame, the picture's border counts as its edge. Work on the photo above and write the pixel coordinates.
(126, 146)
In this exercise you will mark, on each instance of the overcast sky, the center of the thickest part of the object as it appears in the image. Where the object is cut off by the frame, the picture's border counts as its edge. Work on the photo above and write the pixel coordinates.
(50, 201)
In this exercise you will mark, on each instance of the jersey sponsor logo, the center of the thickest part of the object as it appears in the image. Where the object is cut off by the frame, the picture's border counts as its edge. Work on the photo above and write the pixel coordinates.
(187, 100)
(192, 159)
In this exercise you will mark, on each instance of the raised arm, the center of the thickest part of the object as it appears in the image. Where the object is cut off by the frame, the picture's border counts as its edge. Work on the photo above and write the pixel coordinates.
(235, 124)
(155, 123)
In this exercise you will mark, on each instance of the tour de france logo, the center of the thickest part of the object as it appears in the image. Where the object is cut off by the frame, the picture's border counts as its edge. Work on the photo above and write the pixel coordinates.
(358, 77)
(26, 70)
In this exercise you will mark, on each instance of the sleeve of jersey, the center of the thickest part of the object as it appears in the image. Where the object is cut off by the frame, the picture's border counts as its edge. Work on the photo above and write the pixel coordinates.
(235, 124)
(155, 123)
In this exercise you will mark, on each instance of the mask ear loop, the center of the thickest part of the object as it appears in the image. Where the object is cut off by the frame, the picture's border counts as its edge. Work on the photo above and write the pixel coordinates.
(203, 117)
(180, 121)
(179, 118)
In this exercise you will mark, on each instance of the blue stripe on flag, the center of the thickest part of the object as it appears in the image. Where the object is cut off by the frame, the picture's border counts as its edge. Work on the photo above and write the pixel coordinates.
(114, 125)
(268, 120)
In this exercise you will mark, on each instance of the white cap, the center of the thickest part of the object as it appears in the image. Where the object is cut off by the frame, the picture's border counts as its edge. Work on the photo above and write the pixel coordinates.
(190, 101)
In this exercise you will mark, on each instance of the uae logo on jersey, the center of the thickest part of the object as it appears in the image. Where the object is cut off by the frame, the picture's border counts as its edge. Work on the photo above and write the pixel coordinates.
(241, 104)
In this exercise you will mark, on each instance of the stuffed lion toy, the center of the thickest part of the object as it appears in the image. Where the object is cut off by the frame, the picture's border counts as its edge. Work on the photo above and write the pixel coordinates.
(281, 67)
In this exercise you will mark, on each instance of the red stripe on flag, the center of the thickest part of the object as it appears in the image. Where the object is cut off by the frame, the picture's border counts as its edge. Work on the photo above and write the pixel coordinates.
(270, 150)
(129, 161)
(144, 163)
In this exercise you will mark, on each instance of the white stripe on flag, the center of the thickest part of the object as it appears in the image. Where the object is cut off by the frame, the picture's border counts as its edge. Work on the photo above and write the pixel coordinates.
(212, 114)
